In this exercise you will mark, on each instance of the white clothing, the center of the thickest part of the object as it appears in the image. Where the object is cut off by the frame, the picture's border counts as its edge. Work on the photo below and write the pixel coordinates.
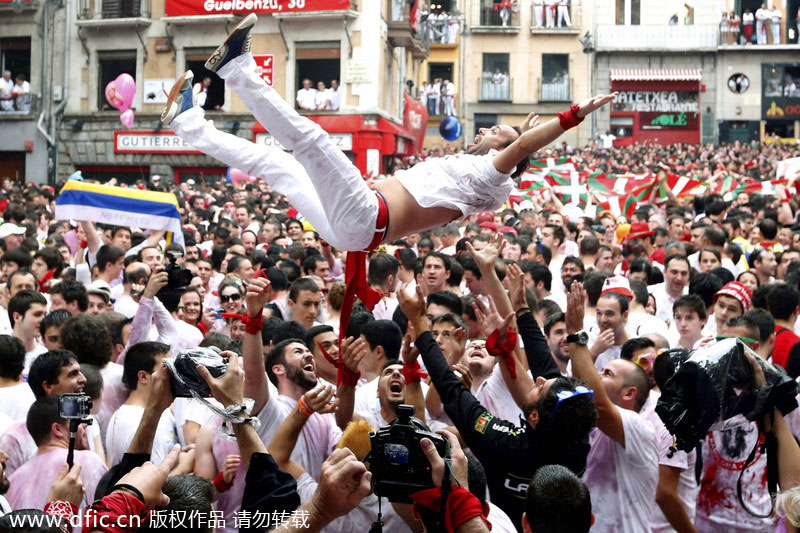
(18, 445)
(115, 393)
(333, 99)
(664, 302)
(306, 98)
(321, 100)
(5, 422)
(563, 14)
(687, 486)
(608, 140)
(199, 94)
(22, 96)
(606, 357)
(347, 218)
(16, 400)
(190, 410)
(550, 13)
(6, 100)
(126, 305)
(558, 297)
(557, 286)
(384, 310)
(776, 16)
(122, 428)
(622, 481)
(500, 521)
(538, 13)
(640, 323)
(762, 18)
(496, 398)
(368, 405)
(30, 356)
(724, 455)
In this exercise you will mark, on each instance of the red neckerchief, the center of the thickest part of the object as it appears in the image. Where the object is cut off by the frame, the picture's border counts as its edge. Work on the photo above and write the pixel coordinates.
(44, 283)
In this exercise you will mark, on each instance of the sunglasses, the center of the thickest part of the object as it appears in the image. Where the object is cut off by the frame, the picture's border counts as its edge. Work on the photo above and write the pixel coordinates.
(230, 298)
(565, 395)
(645, 361)
(746, 340)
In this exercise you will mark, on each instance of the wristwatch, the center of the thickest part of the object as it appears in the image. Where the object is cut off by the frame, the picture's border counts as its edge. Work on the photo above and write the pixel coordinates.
(581, 337)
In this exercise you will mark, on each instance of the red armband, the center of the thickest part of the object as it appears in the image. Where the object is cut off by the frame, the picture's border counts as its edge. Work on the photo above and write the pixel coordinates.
(220, 484)
(253, 324)
(503, 351)
(301, 405)
(105, 514)
(347, 377)
(413, 372)
(569, 118)
(64, 509)
(462, 506)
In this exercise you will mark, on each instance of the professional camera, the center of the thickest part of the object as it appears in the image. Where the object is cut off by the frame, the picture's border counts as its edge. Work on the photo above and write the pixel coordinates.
(399, 466)
(178, 278)
(183, 371)
(74, 406)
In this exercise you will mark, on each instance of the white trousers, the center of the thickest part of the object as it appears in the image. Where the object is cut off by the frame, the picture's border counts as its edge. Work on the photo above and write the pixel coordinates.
(761, 32)
(776, 33)
(317, 179)
(563, 17)
(537, 15)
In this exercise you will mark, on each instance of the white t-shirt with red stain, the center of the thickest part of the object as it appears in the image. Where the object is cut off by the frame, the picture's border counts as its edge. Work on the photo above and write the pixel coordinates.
(724, 456)
(623, 481)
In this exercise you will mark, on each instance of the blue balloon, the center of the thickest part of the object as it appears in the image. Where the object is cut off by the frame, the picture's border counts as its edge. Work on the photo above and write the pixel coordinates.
(451, 129)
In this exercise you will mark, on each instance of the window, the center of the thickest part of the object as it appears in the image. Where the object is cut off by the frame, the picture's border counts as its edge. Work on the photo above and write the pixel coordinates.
(555, 78)
(499, 13)
(15, 57)
(121, 8)
(483, 120)
(628, 12)
(210, 94)
(112, 64)
(620, 12)
(738, 83)
(318, 68)
(438, 73)
(495, 81)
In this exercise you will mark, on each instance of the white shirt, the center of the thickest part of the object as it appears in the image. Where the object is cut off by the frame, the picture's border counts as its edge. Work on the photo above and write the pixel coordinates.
(199, 94)
(687, 486)
(307, 98)
(6, 86)
(468, 183)
(320, 99)
(115, 393)
(333, 97)
(608, 140)
(496, 398)
(622, 481)
(122, 428)
(640, 322)
(30, 356)
(762, 14)
(664, 301)
(606, 357)
(16, 400)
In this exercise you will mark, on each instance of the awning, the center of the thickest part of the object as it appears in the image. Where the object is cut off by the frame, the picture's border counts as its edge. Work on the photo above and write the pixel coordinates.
(656, 74)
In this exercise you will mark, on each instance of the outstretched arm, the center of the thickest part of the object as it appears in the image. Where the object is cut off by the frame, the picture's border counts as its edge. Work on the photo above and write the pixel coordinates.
(255, 383)
(540, 136)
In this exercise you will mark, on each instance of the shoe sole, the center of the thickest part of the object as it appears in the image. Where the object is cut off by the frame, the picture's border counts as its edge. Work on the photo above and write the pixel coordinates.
(172, 108)
(212, 63)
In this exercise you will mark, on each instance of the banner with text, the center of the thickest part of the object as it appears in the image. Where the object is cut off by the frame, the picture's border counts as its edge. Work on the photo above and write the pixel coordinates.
(177, 8)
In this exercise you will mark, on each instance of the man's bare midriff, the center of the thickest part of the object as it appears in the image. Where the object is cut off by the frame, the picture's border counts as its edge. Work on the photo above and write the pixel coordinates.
(406, 215)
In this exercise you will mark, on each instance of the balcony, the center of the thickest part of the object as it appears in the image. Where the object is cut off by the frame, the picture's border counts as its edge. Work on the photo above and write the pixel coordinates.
(443, 30)
(555, 91)
(613, 38)
(26, 111)
(495, 88)
(114, 13)
(730, 39)
(500, 17)
(401, 34)
(562, 19)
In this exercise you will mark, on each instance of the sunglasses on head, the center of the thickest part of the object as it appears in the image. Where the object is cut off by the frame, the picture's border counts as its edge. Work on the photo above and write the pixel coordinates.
(565, 395)
(746, 340)
(645, 361)
(230, 298)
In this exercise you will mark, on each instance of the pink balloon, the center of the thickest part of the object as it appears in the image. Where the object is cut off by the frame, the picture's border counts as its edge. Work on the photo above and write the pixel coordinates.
(237, 176)
(121, 91)
(126, 117)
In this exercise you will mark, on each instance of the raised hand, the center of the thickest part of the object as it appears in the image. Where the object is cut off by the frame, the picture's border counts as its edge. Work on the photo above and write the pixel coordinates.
(516, 282)
(412, 305)
(603, 342)
(259, 292)
(149, 479)
(408, 353)
(344, 482)
(489, 320)
(157, 281)
(321, 400)
(485, 258)
(531, 121)
(228, 389)
(575, 307)
(230, 466)
(463, 373)
(596, 102)
(352, 352)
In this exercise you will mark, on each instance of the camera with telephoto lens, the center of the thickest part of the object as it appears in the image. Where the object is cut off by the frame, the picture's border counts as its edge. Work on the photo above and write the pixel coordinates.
(74, 406)
(399, 466)
(178, 277)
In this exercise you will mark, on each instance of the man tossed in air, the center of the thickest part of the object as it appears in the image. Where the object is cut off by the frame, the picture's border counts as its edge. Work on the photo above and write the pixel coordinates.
(321, 182)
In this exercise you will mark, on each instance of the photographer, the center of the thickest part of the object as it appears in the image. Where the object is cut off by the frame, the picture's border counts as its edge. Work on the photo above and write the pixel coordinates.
(511, 454)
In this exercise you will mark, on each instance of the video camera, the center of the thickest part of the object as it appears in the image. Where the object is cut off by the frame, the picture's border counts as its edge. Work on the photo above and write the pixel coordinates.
(178, 278)
(399, 466)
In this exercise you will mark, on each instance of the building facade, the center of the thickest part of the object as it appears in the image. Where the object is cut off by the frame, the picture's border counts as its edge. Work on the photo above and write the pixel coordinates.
(364, 52)
(524, 56)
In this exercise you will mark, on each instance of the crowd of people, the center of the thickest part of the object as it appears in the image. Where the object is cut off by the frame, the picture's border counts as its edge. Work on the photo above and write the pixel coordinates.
(761, 27)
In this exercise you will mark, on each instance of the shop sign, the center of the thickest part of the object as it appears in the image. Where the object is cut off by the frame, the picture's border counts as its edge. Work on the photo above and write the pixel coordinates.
(662, 121)
(342, 141)
(177, 8)
(150, 142)
(265, 63)
(656, 102)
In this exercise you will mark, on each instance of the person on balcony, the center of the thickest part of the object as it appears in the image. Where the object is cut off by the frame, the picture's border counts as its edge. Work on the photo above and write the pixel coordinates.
(6, 90)
(748, 20)
(563, 14)
(307, 96)
(538, 13)
(550, 12)
(333, 96)
(762, 20)
(22, 94)
(775, 16)
(448, 98)
(321, 98)
(200, 91)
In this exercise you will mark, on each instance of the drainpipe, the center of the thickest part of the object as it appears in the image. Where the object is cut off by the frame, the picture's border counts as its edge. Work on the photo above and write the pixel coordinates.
(59, 111)
(43, 77)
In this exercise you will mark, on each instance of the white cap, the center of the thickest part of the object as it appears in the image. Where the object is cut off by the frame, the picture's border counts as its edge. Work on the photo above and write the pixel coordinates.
(11, 229)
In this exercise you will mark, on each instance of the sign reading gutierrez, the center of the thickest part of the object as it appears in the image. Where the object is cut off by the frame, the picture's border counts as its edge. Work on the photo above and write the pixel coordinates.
(656, 101)
(177, 8)
(150, 142)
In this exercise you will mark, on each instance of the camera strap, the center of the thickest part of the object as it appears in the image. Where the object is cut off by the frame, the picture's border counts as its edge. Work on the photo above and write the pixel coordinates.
(446, 484)
(770, 448)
